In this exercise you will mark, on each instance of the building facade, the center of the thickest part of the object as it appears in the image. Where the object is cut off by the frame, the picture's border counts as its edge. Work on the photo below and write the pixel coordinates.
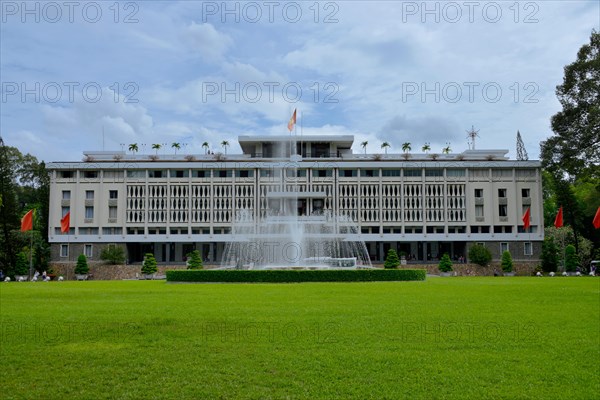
(421, 204)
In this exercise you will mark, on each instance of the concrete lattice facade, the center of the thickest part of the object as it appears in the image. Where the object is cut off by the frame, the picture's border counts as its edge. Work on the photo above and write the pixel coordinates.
(421, 204)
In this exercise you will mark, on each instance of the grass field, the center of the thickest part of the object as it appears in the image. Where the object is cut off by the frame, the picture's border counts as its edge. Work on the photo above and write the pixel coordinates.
(445, 338)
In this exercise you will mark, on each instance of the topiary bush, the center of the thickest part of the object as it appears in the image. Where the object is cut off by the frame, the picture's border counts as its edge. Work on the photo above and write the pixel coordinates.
(278, 276)
(549, 256)
(194, 260)
(479, 254)
(22, 264)
(507, 263)
(571, 258)
(445, 264)
(391, 260)
(149, 264)
(81, 268)
(113, 255)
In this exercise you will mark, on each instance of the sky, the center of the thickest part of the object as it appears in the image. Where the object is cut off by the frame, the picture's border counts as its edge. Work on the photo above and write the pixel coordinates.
(80, 76)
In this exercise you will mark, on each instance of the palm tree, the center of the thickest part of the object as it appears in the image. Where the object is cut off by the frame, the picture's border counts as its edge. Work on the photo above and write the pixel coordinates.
(406, 147)
(364, 145)
(446, 150)
(426, 147)
(133, 147)
(206, 146)
(176, 146)
(224, 144)
(156, 146)
(385, 146)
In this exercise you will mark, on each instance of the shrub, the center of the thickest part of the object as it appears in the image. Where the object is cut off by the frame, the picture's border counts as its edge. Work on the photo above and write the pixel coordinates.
(149, 264)
(507, 263)
(81, 268)
(22, 264)
(549, 256)
(445, 264)
(194, 260)
(479, 254)
(113, 255)
(278, 276)
(392, 260)
(571, 258)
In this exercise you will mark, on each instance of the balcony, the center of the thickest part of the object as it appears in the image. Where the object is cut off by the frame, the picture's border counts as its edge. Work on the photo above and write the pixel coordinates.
(503, 201)
(526, 201)
(478, 201)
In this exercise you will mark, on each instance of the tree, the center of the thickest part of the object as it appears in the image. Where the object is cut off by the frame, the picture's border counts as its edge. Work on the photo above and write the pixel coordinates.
(175, 146)
(385, 146)
(149, 264)
(22, 264)
(194, 260)
(426, 147)
(574, 148)
(446, 150)
(225, 144)
(205, 145)
(571, 258)
(156, 146)
(133, 148)
(406, 147)
(507, 262)
(81, 268)
(113, 255)
(549, 256)
(391, 260)
(479, 254)
(445, 264)
(364, 145)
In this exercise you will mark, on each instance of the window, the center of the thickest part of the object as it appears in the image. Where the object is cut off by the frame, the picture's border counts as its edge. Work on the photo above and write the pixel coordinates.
(525, 193)
(390, 172)
(321, 173)
(201, 174)
(479, 211)
(90, 174)
(502, 173)
(113, 194)
(224, 173)
(369, 172)
(179, 173)
(503, 247)
(66, 174)
(478, 193)
(89, 195)
(245, 173)
(501, 193)
(412, 172)
(64, 210)
(503, 210)
(64, 250)
(455, 172)
(527, 249)
(434, 172)
(112, 212)
(347, 173)
(156, 174)
(66, 195)
(87, 250)
(89, 212)
(138, 173)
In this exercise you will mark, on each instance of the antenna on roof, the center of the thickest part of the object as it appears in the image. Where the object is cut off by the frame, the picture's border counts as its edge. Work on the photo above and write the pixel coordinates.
(472, 134)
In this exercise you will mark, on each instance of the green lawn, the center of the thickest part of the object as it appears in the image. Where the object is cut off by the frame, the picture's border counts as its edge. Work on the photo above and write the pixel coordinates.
(451, 338)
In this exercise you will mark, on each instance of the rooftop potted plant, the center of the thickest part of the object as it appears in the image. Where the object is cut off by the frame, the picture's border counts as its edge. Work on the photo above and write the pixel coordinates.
(81, 268)
(149, 266)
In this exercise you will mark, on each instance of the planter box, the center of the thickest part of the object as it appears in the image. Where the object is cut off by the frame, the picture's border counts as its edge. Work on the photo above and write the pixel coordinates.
(81, 277)
(148, 276)
(509, 274)
(450, 273)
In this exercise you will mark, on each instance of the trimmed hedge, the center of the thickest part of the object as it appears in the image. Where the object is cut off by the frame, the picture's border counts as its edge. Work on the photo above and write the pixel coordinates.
(357, 275)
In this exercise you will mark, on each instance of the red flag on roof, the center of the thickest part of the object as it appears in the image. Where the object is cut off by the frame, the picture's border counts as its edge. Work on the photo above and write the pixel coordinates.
(292, 121)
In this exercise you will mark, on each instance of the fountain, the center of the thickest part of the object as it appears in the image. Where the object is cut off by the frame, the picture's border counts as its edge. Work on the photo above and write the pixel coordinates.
(280, 238)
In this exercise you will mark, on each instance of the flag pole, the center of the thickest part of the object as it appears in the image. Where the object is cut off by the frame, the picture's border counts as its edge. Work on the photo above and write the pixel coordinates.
(30, 254)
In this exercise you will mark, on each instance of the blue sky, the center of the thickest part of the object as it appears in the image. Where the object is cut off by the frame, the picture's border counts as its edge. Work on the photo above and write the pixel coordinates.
(399, 71)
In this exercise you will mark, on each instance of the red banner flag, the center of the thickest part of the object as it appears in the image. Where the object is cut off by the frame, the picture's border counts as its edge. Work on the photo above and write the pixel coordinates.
(27, 221)
(527, 218)
(558, 221)
(292, 121)
(596, 221)
(65, 223)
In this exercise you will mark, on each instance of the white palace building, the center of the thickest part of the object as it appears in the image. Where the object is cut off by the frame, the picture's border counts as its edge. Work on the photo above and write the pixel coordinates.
(421, 204)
